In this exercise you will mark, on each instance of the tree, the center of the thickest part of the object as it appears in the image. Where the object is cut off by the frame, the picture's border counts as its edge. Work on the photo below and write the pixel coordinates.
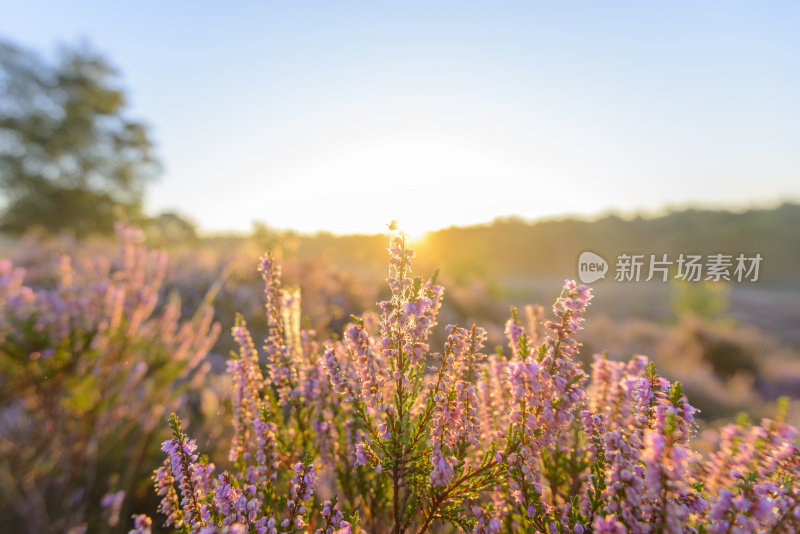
(69, 158)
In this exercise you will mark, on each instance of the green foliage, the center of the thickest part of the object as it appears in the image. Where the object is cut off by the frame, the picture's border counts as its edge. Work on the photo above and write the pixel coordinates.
(69, 158)
(706, 300)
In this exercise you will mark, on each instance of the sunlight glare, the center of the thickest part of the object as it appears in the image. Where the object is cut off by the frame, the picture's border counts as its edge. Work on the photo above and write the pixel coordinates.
(424, 182)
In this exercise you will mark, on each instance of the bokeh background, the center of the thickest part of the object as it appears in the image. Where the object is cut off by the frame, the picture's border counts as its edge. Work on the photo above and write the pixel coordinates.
(505, 139)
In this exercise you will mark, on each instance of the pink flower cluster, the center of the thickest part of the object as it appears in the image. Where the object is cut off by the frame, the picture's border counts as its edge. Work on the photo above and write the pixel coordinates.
(93, 354)
(408, 439)
(455, 403)
(283, 372)
(191, 498)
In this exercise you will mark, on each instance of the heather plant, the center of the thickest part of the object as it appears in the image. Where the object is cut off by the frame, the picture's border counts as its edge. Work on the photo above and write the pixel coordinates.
(723, 368)
(331, 292)
(89, 365)
(380, 432)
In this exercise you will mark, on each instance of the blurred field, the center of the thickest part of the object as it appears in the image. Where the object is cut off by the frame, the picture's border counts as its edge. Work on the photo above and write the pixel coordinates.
(734, 347)
(487, 269)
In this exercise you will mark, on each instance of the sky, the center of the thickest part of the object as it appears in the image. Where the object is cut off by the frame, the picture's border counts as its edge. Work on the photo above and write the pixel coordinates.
(341, 116)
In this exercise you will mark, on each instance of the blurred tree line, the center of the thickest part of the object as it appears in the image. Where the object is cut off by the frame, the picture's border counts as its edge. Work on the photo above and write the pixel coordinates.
(515, 249)
(70, 158)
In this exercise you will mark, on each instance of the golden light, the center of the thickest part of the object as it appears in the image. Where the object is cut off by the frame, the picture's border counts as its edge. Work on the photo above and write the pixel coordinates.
(424, 182)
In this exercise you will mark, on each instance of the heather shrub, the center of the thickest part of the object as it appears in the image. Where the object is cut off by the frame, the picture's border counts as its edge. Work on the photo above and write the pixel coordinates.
(331, 294)
(724, 368)
(92, 356)
(378, 431)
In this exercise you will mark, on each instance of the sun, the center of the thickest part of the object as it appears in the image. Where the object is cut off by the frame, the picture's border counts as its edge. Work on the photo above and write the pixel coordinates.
(425, 182)
(418, 237)
(414, 235)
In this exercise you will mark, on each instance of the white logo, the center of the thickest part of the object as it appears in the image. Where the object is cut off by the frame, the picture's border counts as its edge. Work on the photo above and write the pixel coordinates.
(591, 267)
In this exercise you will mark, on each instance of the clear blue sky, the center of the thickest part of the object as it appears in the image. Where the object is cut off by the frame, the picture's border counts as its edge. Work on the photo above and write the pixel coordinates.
(341, 116)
